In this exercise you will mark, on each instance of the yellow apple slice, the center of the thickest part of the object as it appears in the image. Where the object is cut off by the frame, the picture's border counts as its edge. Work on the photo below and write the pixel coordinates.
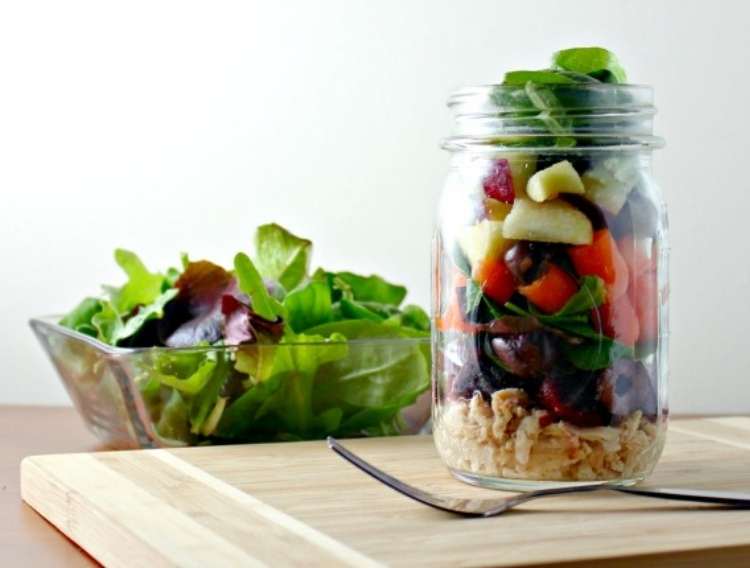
(553, 221)
(483, 241)
(550, 182)
(496, 210)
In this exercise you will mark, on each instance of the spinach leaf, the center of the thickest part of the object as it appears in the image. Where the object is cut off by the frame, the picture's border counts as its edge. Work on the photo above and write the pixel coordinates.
(595, 62)
(541, 76)
(282, 256)
(577, 324)
(596, 355)
(474, 297)
(591, 294)
(598, 352)
(460, 261)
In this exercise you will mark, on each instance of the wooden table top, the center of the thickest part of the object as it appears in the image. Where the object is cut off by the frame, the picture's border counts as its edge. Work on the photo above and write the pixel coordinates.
(26, 539)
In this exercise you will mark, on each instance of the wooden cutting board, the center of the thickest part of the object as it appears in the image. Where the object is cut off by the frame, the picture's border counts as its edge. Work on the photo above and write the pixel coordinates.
(299, 504)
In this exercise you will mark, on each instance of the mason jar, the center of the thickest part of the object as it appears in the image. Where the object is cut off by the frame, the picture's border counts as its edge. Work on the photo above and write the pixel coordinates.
(550, 288)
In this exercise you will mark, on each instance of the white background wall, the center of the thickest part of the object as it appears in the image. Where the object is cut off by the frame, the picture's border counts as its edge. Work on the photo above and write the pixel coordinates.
(171, 126)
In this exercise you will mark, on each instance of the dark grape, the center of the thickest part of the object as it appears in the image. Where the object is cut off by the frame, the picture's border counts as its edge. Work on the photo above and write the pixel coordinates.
(625, 388)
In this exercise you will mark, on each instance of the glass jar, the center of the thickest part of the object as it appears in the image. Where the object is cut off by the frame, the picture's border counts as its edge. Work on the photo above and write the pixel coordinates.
(550, 288)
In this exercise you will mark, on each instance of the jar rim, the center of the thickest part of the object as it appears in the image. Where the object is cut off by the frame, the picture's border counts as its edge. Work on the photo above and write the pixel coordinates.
(523, 117)
(485, 88)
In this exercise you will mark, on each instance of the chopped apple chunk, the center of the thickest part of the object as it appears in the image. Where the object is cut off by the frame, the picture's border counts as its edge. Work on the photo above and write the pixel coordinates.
(483, 241)
(550, 182)
(522, 166)
(609, 183)
(553, 221)
(496, 210)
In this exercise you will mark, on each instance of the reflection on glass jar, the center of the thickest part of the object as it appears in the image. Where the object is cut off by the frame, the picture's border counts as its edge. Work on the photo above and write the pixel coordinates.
(550, 290)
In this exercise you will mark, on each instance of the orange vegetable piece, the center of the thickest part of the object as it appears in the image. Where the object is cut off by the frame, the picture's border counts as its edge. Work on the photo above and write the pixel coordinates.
(646, 299)
(459, 278)
(636, 258)
(550, 291)
(453, 319)
(643, 287)
(619, 321)
(603, 259)
(496, 280)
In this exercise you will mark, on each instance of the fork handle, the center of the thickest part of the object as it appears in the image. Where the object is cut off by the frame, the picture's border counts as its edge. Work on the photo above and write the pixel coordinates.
(735, 499)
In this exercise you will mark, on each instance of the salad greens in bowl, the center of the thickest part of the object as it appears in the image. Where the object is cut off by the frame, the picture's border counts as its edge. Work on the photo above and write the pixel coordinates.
(266, 351)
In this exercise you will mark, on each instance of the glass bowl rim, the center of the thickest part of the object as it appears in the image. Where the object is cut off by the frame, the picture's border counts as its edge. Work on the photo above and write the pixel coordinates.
(50, 322)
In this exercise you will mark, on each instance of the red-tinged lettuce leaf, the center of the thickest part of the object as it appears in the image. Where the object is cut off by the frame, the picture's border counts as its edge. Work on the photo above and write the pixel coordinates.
(242, 325)
(197, 309)
(237, 328)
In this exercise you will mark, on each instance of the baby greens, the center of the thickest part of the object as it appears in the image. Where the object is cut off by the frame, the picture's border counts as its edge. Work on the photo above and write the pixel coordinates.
(541, 100)
(289, 360)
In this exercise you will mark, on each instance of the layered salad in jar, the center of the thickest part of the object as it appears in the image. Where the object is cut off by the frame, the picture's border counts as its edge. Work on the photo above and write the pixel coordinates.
(549, 264)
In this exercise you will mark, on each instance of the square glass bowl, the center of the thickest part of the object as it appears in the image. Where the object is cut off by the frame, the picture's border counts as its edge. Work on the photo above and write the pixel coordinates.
(161, 397)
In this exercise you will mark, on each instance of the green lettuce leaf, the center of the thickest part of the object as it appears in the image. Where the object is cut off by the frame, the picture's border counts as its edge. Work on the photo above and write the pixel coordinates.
(154, 310)
(106, 322)
(80, 318)
(374, 377)
(111, 328)
(193, 384)
(358, 329)
(282, 256)
(414, 317)
(351, 309)
(251, 283)
(205, 401)
(284, 401)
(174, 421)
(142, 287)
(319, 384)
(308, 305)
(305, 353)
(371, 288)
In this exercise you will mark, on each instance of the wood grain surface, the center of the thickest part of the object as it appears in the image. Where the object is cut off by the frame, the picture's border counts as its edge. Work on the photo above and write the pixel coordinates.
(26, 539)
(299, 504)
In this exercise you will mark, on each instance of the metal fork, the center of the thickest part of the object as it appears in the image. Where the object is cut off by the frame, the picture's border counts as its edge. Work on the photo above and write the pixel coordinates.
(494, 507)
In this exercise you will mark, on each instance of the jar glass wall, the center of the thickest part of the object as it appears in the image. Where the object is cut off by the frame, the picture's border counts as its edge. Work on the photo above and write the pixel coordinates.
(550, 291)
